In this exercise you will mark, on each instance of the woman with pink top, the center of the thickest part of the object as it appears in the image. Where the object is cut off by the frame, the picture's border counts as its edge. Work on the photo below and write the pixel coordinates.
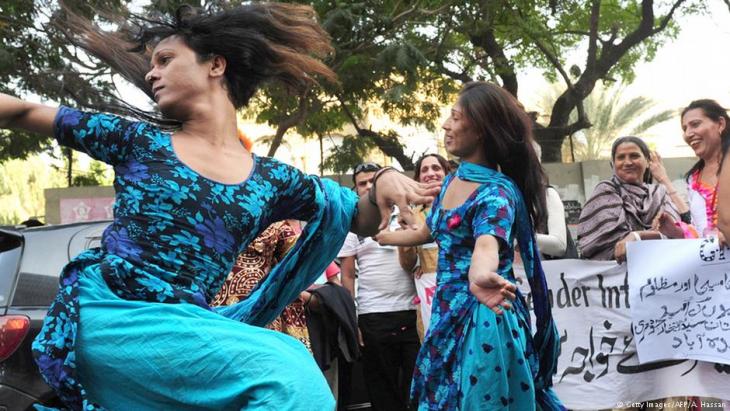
(704, 123)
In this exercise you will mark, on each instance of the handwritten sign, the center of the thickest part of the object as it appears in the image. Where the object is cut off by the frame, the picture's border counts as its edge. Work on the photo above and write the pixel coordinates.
(598, 367)
(680, 299)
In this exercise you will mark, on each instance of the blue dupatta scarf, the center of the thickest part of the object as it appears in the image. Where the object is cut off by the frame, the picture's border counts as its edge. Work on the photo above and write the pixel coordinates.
(546, 338)
(318, 245)
(315, 249)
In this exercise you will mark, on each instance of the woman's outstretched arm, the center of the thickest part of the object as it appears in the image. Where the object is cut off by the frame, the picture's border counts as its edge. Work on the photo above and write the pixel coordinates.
(488, 287)
(16, 113)
(391, 188)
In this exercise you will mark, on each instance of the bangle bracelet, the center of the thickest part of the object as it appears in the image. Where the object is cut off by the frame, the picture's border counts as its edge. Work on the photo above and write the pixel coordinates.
(637, 237)
(306, 303)
(671, 193)
(372, 197)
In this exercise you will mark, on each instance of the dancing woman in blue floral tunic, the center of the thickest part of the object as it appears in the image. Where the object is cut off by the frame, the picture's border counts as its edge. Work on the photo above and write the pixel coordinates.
(131, 327)
(480, 353)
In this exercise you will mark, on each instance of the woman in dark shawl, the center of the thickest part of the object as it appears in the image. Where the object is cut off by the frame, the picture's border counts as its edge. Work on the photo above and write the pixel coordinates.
(622, 208)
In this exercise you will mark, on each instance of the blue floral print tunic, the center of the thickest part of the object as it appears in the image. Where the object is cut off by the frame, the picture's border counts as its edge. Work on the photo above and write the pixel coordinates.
(472, 358)
(176, 234)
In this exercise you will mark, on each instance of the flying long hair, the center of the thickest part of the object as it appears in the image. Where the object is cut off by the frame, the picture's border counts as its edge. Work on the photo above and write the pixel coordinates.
(260, 42)
(714, 111)
(506, 131)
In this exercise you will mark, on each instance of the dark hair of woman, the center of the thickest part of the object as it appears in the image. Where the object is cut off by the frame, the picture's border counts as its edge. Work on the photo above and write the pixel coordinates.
(642, 146)
(714, 111)
(442, 161)
(506, 132)
(259, 41)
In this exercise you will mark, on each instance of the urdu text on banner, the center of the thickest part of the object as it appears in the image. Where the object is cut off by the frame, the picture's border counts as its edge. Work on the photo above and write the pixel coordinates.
(680, 299)
(598, 367)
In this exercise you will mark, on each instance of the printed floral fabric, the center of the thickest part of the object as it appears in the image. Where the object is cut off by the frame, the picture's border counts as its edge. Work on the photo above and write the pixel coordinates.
(176, 234)
(471, 358)
(708, 194)
(253, 265)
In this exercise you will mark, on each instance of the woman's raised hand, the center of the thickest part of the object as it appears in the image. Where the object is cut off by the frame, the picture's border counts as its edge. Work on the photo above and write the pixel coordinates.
(492, 290)
(656, 167)
(394, 188)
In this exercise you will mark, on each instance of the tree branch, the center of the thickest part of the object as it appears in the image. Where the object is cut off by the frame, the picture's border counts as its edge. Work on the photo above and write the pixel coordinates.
(387, 144)
(438, 59)
(575, 32)
(593, 36)
(665, 21)
(487, 41)
(294, 119)
(611, 54)
(463, 77)
(482, 36)
(553, 59)
(416, 10)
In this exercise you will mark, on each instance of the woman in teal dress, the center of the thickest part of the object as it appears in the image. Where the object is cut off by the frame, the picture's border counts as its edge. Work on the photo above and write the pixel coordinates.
(131, 326)
(480, 352)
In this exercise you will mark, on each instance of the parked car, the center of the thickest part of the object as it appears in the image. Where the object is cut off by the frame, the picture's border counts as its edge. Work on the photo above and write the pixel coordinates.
(31, 260)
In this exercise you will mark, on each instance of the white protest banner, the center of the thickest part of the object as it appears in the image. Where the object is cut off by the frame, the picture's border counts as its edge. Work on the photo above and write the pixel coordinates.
(680, 299)
(426, 288)
(598, 367)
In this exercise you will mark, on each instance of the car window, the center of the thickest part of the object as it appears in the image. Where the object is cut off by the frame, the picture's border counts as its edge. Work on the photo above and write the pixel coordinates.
(47, 251)
(10, 252)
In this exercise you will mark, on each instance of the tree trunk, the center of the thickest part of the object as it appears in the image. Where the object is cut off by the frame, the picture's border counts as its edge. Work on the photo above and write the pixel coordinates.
(69, 171)
(389, 145)
(292, 120)
(321, 154)
(551, 141)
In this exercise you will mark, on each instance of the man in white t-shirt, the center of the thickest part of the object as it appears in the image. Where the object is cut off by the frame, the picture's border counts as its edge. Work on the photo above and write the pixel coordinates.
(386, 313)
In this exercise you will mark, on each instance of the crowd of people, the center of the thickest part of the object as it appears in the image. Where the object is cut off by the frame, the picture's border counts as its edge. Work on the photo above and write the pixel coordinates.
(215, 286)
(631, 207)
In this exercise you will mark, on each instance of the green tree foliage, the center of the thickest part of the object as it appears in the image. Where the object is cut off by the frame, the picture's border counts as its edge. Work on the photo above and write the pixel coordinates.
(379, 64)
(96, 176)
(21, 188)
(37, 61)
(408, 57)
(497, 39)
(613, 116)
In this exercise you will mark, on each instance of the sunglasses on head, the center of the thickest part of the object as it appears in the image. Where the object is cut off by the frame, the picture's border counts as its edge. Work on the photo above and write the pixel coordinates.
(365, 167)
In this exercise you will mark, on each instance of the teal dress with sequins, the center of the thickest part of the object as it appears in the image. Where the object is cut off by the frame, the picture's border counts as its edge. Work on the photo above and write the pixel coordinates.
(131, 327)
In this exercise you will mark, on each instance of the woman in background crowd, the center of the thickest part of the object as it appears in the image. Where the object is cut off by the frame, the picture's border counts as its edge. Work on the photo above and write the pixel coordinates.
(254, 264)
(624, 207)
(422, 260)
(705, 130)
(553, 238)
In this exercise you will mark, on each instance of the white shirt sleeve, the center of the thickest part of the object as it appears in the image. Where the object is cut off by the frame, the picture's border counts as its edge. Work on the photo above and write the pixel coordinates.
(349, 248)
(554, 243)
